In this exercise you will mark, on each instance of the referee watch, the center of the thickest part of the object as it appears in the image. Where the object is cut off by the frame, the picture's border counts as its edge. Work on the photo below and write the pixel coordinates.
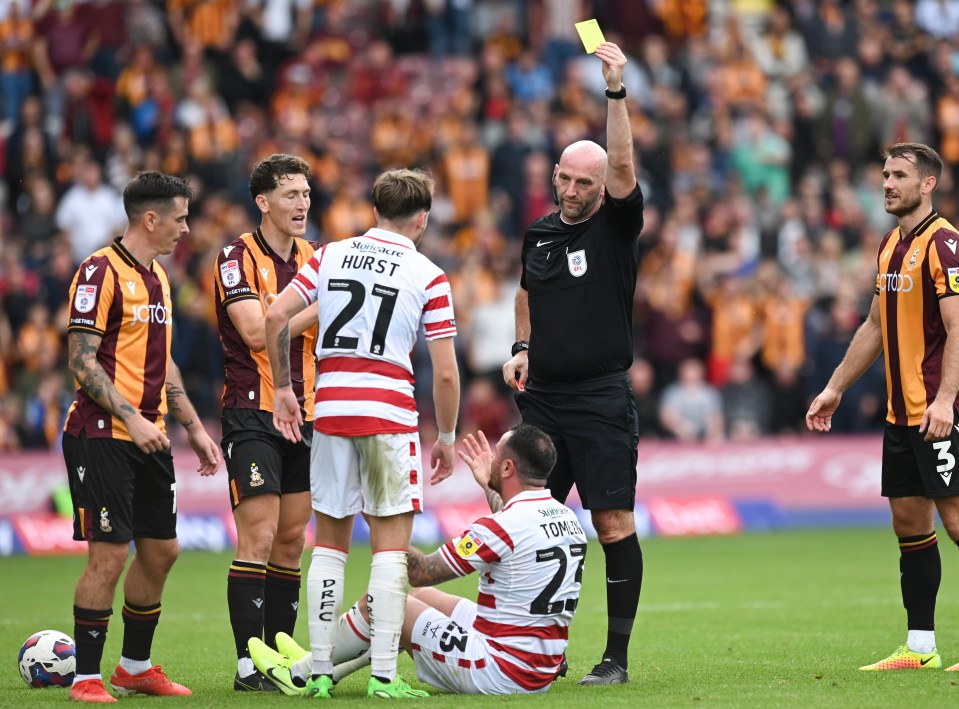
(518, 347)
(621, 94)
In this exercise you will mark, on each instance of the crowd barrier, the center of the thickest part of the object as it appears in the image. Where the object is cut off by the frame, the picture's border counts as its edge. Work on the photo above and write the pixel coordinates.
(682, 489)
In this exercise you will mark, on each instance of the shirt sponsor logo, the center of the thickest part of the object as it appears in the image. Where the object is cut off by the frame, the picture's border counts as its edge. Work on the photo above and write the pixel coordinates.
(152, 313)
(577, 262)
(898, 282)
(230, 273)
(85, 299)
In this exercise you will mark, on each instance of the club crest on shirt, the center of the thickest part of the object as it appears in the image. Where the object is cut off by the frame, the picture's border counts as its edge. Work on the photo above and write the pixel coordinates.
(468, 546)
(230, 273)
(576, 261)
(915, 256)
(953, 274)
(85, 298)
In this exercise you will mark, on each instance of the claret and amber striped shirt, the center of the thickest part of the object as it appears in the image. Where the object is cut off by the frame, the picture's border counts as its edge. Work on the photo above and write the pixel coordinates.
(129, 306)
(916, 270)
(247, 268)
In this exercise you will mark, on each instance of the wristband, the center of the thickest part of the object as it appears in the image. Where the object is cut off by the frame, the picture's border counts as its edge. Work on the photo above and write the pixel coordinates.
(621, 94)
(447, 439)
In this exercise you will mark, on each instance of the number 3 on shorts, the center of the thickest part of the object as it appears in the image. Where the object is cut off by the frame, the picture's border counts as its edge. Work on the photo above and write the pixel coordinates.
(947, 458)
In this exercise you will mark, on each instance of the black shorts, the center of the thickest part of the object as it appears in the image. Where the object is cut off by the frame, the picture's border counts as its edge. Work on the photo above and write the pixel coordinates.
(119, 492)
(259, 459)
(911, 467)
(595, 429)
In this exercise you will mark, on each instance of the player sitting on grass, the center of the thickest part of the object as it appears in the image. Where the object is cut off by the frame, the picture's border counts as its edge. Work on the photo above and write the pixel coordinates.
(530, 556)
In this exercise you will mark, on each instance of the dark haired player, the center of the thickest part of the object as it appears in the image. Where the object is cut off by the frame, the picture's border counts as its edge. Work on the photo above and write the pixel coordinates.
(269, 476)
(114, 442)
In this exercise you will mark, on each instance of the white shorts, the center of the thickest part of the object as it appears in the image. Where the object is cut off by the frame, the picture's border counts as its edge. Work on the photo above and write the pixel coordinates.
(450, 655)
(379, 474)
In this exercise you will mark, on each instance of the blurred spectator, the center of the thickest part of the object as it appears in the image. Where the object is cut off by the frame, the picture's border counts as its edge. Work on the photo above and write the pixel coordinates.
(691, 409)
(245, 79)
(16, 62)
(449, 26)
(211, 23)
(90, 213)
(35, 336)
(65, 40)
(747, 403)
(643, 383)
(283, 27)
(939, 18)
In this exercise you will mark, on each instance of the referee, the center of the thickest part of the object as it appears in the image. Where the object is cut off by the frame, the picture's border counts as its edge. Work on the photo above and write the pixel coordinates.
(574, 347)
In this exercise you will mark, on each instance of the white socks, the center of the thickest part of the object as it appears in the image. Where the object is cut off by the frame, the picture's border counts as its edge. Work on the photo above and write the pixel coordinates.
(387, 606)
(324, 593)
(923, 641)
(135, 667)
(245, 667)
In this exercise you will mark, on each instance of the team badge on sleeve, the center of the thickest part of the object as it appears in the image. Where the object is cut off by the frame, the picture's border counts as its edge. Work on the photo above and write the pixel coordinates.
(468, 546)
(953, 274)
(86, 298)
(577, 262)
(230, 273)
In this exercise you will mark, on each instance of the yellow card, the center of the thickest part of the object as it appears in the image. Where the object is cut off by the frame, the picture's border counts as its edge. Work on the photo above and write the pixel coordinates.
(591, 34)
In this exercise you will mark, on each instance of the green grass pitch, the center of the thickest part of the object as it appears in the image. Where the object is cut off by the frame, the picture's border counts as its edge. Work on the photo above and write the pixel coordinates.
(759, 620)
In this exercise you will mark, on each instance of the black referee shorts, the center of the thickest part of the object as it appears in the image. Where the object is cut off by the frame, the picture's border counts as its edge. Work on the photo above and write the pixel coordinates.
(911, 467)
(594, 426)
(259, 460)
(119, 492)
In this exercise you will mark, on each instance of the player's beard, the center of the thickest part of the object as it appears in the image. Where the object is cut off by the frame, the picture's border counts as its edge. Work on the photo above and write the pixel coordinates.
(496, 482)
(908, 203)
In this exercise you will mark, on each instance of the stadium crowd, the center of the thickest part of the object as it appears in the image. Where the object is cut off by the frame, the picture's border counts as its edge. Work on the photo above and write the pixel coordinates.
(757, 125)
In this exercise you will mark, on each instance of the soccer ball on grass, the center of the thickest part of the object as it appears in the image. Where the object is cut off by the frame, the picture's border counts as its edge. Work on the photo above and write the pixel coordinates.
(48, 658)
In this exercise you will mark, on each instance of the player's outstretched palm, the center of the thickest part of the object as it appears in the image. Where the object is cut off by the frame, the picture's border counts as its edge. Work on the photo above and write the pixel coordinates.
(478, 456)
(819, 416)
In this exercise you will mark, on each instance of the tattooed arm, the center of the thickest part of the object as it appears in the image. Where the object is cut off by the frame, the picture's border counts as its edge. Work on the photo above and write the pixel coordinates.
(177, 401)
(95, 383)
(427, 570)
(183, 411)
(287, 417)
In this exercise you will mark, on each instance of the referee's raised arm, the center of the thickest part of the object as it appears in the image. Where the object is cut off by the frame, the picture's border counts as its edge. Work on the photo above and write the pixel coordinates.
(620, 172)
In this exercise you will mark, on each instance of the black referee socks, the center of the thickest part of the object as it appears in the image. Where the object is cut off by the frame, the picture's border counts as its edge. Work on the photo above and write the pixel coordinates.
(624, 580)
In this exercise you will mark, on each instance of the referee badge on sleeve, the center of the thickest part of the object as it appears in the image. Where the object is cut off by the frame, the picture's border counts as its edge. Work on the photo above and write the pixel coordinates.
(576, 261)
(468, 545)
(953, 274)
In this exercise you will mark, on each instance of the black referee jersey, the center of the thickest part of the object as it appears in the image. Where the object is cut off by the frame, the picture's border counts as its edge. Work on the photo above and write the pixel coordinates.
(580, 279)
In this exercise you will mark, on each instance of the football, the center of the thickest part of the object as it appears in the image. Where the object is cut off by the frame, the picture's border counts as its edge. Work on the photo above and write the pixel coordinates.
(48, 658)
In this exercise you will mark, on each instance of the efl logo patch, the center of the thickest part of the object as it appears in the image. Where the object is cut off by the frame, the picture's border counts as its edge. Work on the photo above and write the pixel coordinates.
(468, 546)
(577, 262)
(230, 273)
(953, 274)
(86, 298)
